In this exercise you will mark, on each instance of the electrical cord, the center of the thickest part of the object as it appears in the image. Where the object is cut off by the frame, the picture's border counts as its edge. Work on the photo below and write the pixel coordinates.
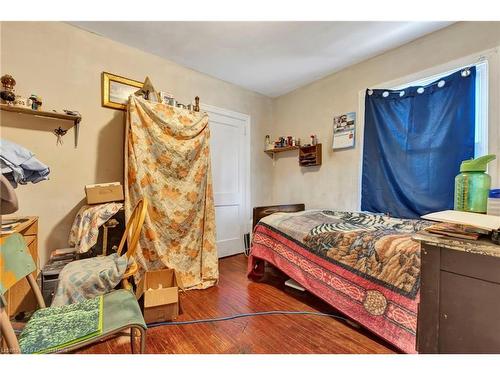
(237, 316)
(245, 315)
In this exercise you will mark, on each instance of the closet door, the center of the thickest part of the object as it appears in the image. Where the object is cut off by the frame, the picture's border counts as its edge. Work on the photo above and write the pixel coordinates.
(229, 151)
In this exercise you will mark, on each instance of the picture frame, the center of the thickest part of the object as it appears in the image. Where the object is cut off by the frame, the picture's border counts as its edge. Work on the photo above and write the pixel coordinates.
(117, 89)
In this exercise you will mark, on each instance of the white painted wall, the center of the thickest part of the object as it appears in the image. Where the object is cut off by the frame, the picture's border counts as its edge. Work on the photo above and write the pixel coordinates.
(63, 64)
(311, 109)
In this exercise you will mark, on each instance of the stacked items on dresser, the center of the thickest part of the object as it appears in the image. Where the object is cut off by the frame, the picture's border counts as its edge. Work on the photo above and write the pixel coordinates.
(464, 225)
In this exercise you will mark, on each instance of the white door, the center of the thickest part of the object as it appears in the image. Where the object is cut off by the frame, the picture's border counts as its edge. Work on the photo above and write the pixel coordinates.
(229, 147)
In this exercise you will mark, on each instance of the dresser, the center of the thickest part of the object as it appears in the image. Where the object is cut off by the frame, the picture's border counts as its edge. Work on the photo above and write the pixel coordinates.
(20, 298)
(459, 309)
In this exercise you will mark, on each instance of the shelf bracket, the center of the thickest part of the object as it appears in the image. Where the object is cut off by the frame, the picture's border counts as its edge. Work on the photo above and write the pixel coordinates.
(77, 130)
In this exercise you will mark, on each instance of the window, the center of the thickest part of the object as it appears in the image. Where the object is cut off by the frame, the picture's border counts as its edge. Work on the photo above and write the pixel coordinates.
(481, 126)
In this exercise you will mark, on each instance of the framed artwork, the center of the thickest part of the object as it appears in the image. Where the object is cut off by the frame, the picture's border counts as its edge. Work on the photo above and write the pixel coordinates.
(117, 89)
(344, 131)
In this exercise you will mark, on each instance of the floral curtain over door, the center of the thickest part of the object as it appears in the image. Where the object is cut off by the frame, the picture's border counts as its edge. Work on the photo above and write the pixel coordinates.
(167, 161)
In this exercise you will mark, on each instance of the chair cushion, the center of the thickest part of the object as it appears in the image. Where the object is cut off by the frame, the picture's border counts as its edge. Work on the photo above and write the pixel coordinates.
(121, 309)
(15, 261)
(54, 328)
(88, 278)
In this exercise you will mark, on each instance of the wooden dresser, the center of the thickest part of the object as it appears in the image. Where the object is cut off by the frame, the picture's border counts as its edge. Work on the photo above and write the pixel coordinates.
(20, 298)
(459, 310)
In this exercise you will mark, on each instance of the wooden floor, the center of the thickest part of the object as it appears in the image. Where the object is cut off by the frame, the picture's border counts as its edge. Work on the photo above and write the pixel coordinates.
(262, 334)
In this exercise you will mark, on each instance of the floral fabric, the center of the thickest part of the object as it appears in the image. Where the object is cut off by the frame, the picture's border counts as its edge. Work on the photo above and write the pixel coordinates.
(168, 162)
(88, 278)
(85, 228)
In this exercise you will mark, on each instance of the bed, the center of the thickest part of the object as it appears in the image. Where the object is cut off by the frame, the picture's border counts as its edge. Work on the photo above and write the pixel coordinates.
(365, 265)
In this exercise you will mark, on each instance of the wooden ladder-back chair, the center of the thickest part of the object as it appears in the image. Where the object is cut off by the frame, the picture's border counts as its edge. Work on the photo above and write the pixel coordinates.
(84, 279)
(131, 237)
(118, 310)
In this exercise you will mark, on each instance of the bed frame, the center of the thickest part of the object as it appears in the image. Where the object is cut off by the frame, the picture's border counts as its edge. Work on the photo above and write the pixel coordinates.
(263, 211)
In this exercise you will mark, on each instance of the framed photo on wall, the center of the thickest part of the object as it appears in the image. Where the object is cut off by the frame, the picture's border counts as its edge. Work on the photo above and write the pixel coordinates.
(117, 89)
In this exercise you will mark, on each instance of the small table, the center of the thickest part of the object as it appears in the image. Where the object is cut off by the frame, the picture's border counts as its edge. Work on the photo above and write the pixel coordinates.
(459, 309)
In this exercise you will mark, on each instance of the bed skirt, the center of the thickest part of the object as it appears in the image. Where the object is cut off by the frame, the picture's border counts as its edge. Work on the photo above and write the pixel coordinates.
(385, 312)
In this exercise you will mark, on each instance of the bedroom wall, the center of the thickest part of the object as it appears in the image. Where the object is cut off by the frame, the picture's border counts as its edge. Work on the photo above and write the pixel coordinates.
(63, 64)
(310, 110)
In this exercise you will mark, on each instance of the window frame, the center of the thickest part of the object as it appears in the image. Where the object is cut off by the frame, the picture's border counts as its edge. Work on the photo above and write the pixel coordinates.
(492, 56)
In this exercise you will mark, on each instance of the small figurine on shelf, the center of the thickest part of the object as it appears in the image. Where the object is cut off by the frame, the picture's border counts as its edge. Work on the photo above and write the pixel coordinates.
(7, 94)
(36, 102)
(267, 143)
(21, 101)
(314, 140)
(196, 106)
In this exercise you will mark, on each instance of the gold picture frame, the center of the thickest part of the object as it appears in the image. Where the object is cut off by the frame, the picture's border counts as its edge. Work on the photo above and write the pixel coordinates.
(117, 89)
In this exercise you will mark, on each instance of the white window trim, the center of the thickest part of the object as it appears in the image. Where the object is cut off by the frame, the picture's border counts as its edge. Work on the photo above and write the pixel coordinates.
(490, 56)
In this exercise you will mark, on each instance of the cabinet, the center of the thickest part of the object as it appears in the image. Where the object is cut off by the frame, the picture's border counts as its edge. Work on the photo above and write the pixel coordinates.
(310, 156)
(20, 297)
(459, 309)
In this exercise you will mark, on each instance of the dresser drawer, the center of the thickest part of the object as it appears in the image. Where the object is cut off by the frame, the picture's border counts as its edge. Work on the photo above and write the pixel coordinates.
(472, 265)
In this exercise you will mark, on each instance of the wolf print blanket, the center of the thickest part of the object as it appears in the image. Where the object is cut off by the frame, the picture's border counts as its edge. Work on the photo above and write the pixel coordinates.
(365, 265)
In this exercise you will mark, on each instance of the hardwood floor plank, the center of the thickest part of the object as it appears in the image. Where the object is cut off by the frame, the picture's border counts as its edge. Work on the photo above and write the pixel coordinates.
(260, 334)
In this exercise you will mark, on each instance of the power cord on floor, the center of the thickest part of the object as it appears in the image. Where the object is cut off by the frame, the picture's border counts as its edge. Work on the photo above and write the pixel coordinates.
(237, 316)
(245, 315)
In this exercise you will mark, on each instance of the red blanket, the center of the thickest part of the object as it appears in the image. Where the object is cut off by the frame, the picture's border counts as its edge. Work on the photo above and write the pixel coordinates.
(372, 276)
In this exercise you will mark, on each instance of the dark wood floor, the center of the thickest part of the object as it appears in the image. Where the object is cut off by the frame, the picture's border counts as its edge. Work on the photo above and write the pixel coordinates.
(262, 334)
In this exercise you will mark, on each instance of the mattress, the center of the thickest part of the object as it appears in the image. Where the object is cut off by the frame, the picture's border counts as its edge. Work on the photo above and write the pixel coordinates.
(365, 265)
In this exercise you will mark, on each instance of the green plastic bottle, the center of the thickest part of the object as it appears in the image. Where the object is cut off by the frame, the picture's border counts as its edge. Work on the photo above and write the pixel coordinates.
(472, 185)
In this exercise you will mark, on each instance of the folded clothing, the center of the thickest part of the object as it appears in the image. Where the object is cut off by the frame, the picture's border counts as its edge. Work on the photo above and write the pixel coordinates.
(19, 164)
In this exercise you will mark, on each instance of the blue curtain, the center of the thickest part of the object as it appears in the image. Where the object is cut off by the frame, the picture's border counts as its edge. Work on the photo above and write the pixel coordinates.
(414, 141)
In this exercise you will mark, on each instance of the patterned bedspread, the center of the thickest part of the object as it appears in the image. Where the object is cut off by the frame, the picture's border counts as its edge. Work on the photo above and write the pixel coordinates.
(365, 265)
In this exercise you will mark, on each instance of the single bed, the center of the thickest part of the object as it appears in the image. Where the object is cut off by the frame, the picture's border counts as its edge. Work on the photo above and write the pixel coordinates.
(365, 265)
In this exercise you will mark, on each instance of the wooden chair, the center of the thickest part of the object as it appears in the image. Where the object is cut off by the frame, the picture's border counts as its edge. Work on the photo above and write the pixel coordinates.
(81, 275)
(131, 238)
(120, 310)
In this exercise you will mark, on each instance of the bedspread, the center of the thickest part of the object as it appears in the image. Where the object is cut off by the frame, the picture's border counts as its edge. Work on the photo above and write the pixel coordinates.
(365, 265)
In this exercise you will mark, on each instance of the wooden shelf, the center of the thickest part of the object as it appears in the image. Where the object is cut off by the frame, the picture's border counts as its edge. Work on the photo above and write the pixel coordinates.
(281, 149)
(47, 114)
(310, 156)
(29, 111)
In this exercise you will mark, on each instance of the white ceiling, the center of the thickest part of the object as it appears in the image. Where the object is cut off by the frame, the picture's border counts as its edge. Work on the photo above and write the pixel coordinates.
(271, 58)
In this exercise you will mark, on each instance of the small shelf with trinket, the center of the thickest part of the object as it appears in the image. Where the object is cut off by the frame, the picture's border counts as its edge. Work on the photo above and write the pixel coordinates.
(280, 149)
(39, 113)
(10, 102)
(75, 118)
(310, 155)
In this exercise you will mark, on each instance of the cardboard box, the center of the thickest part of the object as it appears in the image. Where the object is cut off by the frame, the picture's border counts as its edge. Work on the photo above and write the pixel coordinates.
(104, 193)
(159, 291)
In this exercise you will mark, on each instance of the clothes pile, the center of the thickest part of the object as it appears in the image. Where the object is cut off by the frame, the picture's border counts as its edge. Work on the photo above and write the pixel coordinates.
(19, 164)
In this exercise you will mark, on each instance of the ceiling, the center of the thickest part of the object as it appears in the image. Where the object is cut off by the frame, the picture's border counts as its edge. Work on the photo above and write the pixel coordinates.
(271, 58)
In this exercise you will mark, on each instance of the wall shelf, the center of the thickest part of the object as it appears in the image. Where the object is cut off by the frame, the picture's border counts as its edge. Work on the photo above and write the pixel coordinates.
(272, 152)
(47, 114)
(310, 156)
(276, 150)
